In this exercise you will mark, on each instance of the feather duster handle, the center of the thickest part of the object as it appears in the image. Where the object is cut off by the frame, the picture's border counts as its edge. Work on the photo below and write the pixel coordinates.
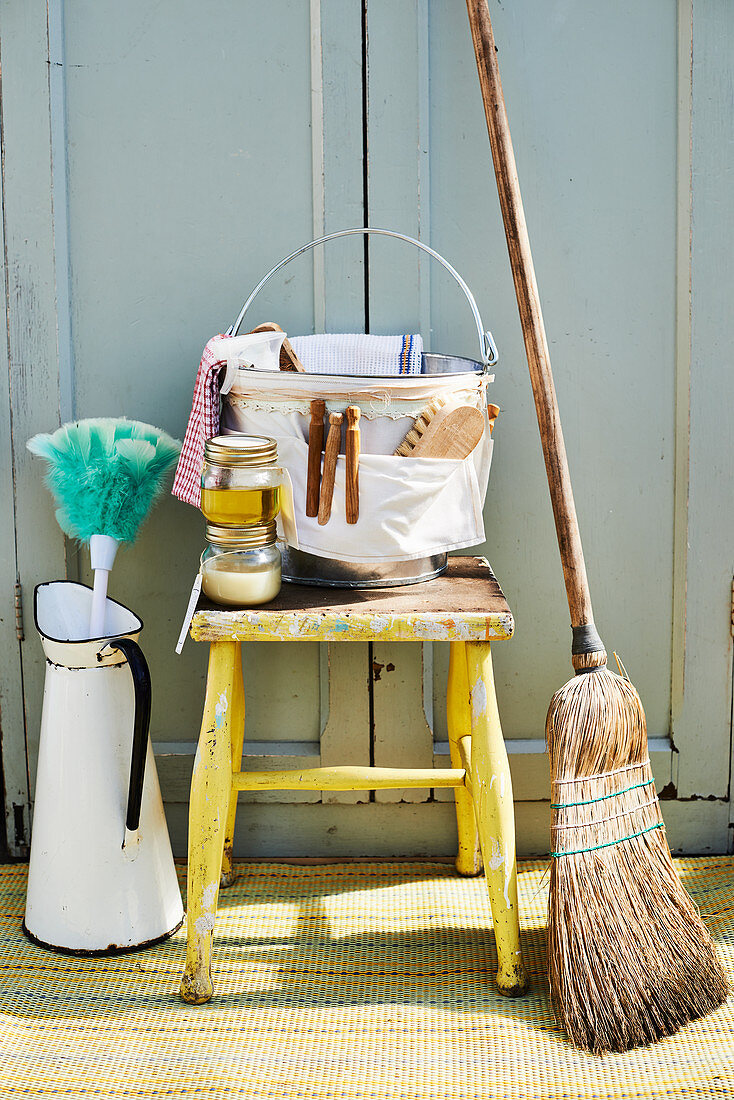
(105, 475)
(102, 554)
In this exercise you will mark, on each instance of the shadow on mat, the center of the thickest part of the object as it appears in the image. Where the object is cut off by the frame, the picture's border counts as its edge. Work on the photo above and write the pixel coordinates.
(435, 965)
(308, 965)
(442, 968)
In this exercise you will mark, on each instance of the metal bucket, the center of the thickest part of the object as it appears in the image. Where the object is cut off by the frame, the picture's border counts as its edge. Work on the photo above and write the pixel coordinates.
(300, 567)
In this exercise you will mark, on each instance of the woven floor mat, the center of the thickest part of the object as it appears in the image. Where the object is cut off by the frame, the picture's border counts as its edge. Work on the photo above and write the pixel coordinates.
(342, 981)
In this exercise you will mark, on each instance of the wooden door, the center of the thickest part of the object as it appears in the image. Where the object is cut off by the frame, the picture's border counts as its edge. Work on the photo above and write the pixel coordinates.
(158, 160)
(615, 113)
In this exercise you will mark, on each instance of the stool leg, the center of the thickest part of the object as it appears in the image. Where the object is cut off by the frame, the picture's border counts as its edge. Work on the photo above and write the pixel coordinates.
(492, 795)
(458, 714)
(228, 874)
(210, 790)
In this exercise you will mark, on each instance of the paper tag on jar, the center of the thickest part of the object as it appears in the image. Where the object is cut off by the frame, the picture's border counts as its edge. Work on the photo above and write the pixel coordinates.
(191, 608)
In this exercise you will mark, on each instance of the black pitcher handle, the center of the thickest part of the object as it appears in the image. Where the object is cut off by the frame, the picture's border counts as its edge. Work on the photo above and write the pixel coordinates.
(141, 683)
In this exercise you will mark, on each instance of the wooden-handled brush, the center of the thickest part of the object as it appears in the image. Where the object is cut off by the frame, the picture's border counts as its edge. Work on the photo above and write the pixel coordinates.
(443, 431)
(453, 433)
(629, 958)
(419, 427)
(352, 449)
(315, 447)
(331, 453)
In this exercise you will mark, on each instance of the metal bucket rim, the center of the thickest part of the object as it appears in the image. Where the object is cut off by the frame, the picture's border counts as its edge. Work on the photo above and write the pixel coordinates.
(397, 379)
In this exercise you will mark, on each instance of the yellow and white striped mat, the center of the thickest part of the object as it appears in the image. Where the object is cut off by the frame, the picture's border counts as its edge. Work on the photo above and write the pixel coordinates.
(364, 981)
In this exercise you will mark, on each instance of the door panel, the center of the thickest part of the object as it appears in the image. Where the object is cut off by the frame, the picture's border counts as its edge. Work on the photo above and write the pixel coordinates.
(402, 736)
(32, 385)
(196, 149)
(346, 724)
(595, 140)
(171, 166)
(12, 720)
(603, 228)
(173, 156)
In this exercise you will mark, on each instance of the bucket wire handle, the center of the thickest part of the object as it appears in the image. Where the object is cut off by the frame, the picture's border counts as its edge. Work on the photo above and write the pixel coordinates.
(487, 346)
(141, 683)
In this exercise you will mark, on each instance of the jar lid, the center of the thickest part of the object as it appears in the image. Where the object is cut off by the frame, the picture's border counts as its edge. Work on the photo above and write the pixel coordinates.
(241, 450)
(260, 534)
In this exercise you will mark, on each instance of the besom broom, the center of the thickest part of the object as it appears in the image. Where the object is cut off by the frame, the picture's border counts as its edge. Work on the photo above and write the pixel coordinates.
(629, 959)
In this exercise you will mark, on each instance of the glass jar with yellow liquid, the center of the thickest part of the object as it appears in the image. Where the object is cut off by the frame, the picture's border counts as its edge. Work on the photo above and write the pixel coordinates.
(240, 480)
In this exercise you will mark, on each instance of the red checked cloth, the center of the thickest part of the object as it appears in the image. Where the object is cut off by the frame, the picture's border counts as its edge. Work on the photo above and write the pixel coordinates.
(203, 424)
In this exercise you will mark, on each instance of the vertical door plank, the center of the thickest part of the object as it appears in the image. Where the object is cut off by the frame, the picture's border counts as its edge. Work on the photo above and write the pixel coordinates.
(176, 212)
(572, 170)
(346, 735)
(402, 738)
(16, 795)
(31, 323)
(398, 176)
(603, 240)
(400, 296)
(701, 727)
(439, 723)
(282, 713)
(343, 306)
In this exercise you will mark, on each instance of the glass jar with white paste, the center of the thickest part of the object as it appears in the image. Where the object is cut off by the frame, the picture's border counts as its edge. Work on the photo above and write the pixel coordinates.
(241, 565)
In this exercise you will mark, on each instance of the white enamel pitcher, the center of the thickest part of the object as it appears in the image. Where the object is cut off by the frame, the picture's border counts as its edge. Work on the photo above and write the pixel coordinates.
(101, 876)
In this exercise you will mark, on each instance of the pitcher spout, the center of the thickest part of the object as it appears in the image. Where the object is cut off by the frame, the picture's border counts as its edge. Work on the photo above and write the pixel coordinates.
(62, 610)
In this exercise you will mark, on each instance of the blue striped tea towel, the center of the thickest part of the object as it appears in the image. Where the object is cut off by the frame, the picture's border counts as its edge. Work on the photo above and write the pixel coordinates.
(357, 353)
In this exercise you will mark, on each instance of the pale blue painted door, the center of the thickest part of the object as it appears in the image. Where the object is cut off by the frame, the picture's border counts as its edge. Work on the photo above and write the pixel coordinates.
(158, 160)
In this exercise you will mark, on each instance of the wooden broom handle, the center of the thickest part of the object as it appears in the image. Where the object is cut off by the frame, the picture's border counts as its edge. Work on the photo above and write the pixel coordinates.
(531, 318)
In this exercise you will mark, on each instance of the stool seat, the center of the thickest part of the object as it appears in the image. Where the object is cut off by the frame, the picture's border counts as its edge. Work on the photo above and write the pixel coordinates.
(465, 607)
(464, 604)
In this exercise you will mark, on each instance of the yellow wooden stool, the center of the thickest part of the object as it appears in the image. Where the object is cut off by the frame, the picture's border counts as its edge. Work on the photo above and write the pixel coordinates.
(465, 607)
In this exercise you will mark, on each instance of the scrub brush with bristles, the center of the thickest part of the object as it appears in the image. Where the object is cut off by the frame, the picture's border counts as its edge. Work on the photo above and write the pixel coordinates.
(104, 475)
(419, 427)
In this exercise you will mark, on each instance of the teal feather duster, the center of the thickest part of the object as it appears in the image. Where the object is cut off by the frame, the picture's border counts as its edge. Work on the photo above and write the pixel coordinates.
(105, 474)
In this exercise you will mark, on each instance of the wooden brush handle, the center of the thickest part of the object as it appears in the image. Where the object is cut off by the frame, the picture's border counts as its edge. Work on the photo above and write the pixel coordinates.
(352, 449)
(536, 344)
(333, 443)
(288, 358)
(315, 447)
(453, 433)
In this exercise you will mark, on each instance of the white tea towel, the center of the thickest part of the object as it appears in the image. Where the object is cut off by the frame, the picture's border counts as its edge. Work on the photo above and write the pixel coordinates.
(357, 353)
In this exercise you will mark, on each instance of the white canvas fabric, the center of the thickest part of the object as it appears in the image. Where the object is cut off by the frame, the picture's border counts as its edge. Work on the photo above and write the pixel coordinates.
(408, 507)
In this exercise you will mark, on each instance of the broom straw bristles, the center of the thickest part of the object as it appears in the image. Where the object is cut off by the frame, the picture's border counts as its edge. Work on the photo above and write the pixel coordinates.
(629, 958)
